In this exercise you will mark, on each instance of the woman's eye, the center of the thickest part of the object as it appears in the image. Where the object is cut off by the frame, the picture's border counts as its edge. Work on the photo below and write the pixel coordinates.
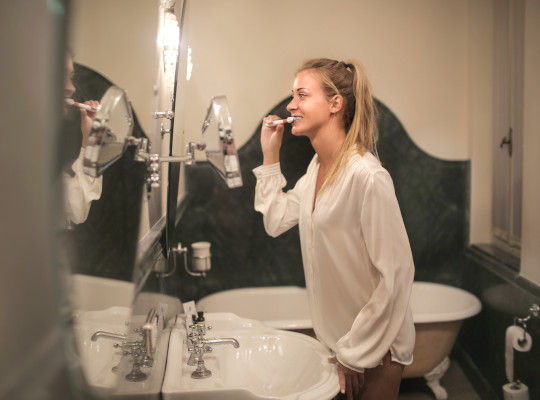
(300, 95)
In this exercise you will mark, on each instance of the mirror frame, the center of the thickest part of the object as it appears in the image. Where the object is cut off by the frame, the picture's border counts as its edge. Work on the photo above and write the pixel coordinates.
(173, 169)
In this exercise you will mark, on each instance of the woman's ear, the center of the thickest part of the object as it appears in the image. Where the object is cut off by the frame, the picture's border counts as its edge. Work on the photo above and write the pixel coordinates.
(336, 103)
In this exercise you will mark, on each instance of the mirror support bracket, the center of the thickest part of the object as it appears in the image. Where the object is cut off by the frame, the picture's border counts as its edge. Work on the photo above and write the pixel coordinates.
(189, 158)
(154, 160)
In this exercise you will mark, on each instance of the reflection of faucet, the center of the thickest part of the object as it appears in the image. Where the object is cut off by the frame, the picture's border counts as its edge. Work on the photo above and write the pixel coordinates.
(232, 341)
(141, 350)
(147, 360)
(198, 345)
(107, 335)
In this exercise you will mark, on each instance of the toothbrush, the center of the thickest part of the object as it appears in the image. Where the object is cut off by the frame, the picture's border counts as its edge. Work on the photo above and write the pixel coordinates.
(282, 121)
(72, 102)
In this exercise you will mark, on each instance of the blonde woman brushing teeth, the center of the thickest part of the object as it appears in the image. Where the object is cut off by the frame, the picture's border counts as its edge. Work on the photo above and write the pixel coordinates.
(356, 254)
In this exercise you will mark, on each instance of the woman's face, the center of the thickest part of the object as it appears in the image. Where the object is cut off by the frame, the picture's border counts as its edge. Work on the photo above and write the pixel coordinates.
(310, 104)
(69, 89)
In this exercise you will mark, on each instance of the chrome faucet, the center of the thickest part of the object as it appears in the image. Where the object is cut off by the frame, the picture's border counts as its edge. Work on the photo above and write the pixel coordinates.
(198, 345)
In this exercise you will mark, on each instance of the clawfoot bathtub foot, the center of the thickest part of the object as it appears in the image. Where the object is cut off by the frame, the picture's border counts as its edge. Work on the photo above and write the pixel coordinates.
(433, 379)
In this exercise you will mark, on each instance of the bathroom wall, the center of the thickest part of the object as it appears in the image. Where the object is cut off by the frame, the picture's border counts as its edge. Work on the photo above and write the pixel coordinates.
(244, 51)
(430, 62)
(530, 256)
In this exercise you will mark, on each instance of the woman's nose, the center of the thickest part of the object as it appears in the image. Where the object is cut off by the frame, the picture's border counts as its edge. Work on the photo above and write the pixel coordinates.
(291, 105)
(69, 88)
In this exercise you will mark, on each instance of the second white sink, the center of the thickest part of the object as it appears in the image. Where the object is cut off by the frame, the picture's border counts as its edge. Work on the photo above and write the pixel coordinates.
(269, 364)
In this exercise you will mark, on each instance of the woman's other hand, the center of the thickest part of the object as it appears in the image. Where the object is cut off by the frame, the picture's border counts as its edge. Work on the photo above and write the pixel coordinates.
(350, 381)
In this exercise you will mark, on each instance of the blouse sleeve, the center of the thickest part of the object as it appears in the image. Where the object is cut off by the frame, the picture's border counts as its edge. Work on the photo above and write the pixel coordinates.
(280, 210)
(79, 192)
(379, 322)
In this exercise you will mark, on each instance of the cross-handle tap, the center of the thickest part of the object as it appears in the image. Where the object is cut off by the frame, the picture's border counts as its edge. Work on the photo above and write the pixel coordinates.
(195, 346)
(198, 345)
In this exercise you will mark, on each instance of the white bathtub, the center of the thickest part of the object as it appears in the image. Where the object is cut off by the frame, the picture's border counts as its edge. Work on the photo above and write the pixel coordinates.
(286, 307)
(438, 313)
(280, 307)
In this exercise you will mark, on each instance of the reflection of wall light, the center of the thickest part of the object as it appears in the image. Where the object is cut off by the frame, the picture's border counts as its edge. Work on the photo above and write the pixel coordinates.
(169, 40)
(189, 64)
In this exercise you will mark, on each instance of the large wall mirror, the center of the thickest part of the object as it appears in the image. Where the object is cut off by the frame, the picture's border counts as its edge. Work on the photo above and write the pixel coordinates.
(121, 65)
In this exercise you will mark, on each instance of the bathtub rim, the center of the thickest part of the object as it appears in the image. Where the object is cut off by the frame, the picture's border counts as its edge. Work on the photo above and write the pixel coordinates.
(474, 305)
(287, 324)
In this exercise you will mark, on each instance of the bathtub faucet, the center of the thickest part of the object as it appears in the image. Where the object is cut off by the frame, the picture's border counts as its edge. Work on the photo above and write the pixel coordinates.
(198, 345)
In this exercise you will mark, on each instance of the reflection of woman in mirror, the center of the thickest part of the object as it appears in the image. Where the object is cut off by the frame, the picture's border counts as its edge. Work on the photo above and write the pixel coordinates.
(357, 258)
(80, 189)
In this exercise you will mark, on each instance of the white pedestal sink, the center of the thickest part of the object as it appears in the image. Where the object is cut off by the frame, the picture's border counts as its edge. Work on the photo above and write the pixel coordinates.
(269, 364)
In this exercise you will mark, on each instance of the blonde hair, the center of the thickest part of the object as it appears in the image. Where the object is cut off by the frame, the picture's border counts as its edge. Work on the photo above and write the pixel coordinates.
(349, 80)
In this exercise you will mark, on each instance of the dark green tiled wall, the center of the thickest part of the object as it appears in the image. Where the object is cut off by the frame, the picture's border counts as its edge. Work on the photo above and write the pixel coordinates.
(504, 295)
(433, 196)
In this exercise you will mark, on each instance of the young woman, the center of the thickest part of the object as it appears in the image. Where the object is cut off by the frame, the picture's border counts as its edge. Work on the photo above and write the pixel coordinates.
(80, 189)
(357, 258)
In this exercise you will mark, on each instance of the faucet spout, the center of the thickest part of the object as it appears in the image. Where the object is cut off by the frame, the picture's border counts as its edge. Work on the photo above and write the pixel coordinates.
(107, 335)
(232, 341)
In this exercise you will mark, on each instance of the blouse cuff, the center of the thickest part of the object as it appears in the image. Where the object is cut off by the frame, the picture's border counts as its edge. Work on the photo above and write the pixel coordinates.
(360, 370)
(267, 170)
(81, 154)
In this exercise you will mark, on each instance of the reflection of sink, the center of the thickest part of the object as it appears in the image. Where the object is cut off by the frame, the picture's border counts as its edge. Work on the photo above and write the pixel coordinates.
(90, 293)
(269, 364)
(99, 357)
(105, 367)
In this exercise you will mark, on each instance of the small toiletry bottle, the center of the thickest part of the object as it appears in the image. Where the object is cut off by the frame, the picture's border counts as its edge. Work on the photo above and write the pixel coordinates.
(201, 327)
(201, 316)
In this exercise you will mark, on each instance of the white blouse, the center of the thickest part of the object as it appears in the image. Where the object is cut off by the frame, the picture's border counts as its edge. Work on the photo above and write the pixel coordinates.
(79, 191)
(357, 258)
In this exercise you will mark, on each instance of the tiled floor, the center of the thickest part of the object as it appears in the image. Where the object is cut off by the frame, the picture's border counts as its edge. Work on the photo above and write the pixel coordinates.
(454, 381)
